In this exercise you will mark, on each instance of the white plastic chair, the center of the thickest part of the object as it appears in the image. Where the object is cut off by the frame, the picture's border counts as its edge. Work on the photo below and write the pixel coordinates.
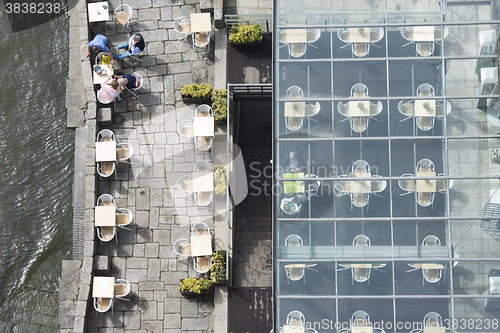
(425, 164)
(294, 273)
(360, 49)
(313, 109)
(425, 123)
(359, 90)
(439, 36)
(406, 109)
(105, 135)
(294, 240)
(313, 35)
(343, 109)
(204, 110)
(360, 319)
(425, 89)
(124, 217)
(359, 124)
(297, 50)
(294, 92)
(200, 228)
(295, 319)
(201, 39)
(425, 49)
(340, 186)
(186, 130)
(105, 169)
(203, 143)
(343, 36)
(375, 109)
(440, 110)
(378, 185)
(202, 264)
(431, 240)
(202, 165)
(361, 240)
(441, 184)
(294, 123)
(203, 199)
(407, 33)
(182, 248)
(376, 34)
(102, 304)
(106, 234)
(122, 289)
(124, 152)
(182, 25)
(123, 13)
(106, 200)
(185, 184)
(360, 166)
(407, 185)
(433, 319)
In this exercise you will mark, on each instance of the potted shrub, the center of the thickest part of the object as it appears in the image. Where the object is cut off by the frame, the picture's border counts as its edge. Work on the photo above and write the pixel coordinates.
(197, 93)
(219, 104)
(218, 269)
(246, 35)
(220, 180)
(195, 286)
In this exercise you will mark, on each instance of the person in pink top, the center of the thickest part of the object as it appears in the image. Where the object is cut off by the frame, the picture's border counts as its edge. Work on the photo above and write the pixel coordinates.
(108, 92)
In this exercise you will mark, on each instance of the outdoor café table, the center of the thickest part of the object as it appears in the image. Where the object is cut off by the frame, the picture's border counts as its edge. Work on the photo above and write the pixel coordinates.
(293, 186)
(428, 266)
(361, 329)
(98, 11)
(420, 110)
(203, 126)
(295, 266)
(426, 185)
(298, 111)
(423, 34)
(201, 22)
(296, 36)
(104, 76)
(202, 181)
(105, 151)
(360, 186)
(356, 37)
(359, 265)
(201, 245)
(293, 329)
(104, 287)
(432, 329)
(356, 111)
(105, 216)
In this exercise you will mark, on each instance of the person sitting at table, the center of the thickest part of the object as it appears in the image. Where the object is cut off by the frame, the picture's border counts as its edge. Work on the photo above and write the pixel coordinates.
(108, 92)
(292, 161)
(99, 44)
(134, 45)
(291, 206)
(132, 82)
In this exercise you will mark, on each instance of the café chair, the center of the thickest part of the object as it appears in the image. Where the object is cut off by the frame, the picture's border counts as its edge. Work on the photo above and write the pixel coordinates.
(343, 110)
(182, 25)
(124, 152)
(425, 123)
(359, 90)
(200, 229)
(407, 185)
(123, 13)
(105, 169)
(340, 186)
(122, 289)
(201, 39)
(294, 273)
(425, 165)
(313, 35)
(312, 110)
(359, 200)
(203, 199)
(375, 109)
(182, 248)
(204, 110)
(431, 240)
(439, 36)
(203, 143)
(360, 166)
(294, 92)
(102, 304)
(297, 50)
(106, 234)
(433, 319)
(141, 82)
(406, 109)
(407, 33)
(441, 184)
(360, 49)
(106, 200)
(425, 89)
(376, 34)
(124, 217)
(425, 49)
(360, 319)
(295, 319)
(294, 240)
(282, 37)
(344, 36)
(440, 110)
(294, 123)
(186, 130)
(202, 264)
(361, 240)
(105, 135)
(359, 124)
(425, 199)
(185, 185)
(202, 165)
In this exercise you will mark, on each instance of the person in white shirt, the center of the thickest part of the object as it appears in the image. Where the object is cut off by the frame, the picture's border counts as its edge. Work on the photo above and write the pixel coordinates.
(134, 45)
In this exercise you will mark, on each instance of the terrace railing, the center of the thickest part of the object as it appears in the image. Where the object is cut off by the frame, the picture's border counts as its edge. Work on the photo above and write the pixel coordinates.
(265, 21)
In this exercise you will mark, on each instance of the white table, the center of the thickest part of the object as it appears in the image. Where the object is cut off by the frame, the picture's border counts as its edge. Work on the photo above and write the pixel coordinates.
(361, 329)
(356, 37)
(105, 151)
(426, 185)
(434, 330)
(359, 265)
(202, 181)
(201, 22)
(104, 76)
(201, 245)
(421, 111)
(292, 329)
(104, 287)
(356, 111)
(296, 36)
(423, 34)
(203, 126)
(105, 216)
(299, 111)
(98, 11)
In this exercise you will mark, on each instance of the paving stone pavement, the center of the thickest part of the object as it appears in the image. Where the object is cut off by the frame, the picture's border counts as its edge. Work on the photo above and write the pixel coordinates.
(148, 187)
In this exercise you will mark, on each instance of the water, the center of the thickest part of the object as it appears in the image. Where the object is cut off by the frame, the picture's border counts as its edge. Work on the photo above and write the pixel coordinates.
(36, 164)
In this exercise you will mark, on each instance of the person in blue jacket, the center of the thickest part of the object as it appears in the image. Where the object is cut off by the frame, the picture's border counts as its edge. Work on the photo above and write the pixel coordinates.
(99, 44)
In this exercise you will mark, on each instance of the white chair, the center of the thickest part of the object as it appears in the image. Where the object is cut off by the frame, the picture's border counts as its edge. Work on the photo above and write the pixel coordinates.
(425, 165)
(186, 130)
(376, 34)
(106, 200)
(294, 92)
(425, 89)
(295, 319)
(106, 234)
(433, 319)
(199, 229)
(202, 165)
(361, 240)
(425, 49)
(406, 109)
(431, 240)
(185, 184)
(182, 247)
(202, 264)
(282, 37)
(425, 123)
(105, 135)
(122, 289)
(182, 25)
(313, 109)
(124, 152)
(203, 199)
(102, 304)
(204, 110)
(360, 166)
(294, 240)
(439, 36)
(359, 90)
(359, 124)
(425, 199)
(141, 82)
(340, 186)
(201, 39)
(123, 13)
(105, 169)
(343, 109)
(407, 185)
(378, 185)
(375, 109)
(203, 143)
(360, 49)
(294, 273)
(124, 217)
(313, 35)
(360, 319)
(297, 50)
(343, 35)
(440, 110)
(294, 123)
(441, 184)
(407, 33)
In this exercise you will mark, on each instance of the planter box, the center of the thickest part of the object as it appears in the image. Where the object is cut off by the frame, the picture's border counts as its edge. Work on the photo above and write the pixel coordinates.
(256, 43)
(193, 294)
(196, 100)
(222, 283)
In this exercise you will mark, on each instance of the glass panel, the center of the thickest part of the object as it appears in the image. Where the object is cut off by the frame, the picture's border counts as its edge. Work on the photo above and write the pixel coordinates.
(472, 116)
(476, 12)
(405, 77)
(468, 197)
(463, 78)
(371, 74)
(474, 157)
(314, 311)
(422, 278)
(415, 41)
(377, 312)
(364, 278)
(306, 278)
(475, 239)
(313, 79)
(476, 277)
(357, 41)
(475, 315)
(404, 11)
(411, 312)
(302, 43)
(469, 40)
(412, 234)
(308, 157)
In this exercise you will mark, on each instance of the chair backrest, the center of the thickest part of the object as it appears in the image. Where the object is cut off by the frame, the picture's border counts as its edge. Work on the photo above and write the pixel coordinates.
(360, 49)
(201, 39)
(294, 273)
(203, 198)
(433, 319)
(360, 199)
(182, 247)
(202, 264)
(182, 25)
(139, 79)
(200, 228)
(425, 199)
(313, 109)
(105, 234)
(406, 109)
(425, 123)
(425, 164)
(123, 13)
(122, 288)
(361, 166)
(359, 124)
(204, 110)
(124, 217)
(343, 35)
(102, 304)
(294, 92)
(361, 240)
(313, 35)
(203, 165)
(184, 184)
(378, 185)
(407, 185)
(343, 109)
(425, 89)
(295, 318)
(294, 240)
(359, 90)
(103, 58)
(407, 33)
(376, 34)
(431, 240)
(282, 36)
(105, 169)
(203, 143)
(425, 49)
(185, 129)
(375, 109)
(294, 123)
(360, 318)
(297, 50)
(105, 200)
(124, 151)
(105, 135)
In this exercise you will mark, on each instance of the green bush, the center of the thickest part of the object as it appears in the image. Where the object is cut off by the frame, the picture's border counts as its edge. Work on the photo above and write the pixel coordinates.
(219, 104)
(195, 285)
(218, 269)
(220, 179)
(246, 34)
(197, 90)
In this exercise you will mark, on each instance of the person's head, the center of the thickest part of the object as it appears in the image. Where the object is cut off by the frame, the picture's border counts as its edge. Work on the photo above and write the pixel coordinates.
(292, 154)
(114, 84)
(137, 39)
(286, 207)
(95, 49)
(122, 82)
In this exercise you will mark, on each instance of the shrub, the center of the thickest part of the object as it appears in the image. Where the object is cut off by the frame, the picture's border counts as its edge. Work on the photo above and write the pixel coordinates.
(218, 269)
(219, 104)
(220, 179)
(195, 285)
(197, 90)
(246, 34)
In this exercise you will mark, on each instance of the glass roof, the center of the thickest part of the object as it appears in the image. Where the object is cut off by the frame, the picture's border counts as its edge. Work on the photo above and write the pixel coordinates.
(387, 165)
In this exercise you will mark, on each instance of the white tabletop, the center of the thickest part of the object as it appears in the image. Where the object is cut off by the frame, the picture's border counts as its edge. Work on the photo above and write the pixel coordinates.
(356, 111)
(356, 37)
(201, 22)
(299, 111)
(201, 245)
(203, 126)
(296, 36)
(426, 185)
(293, 329)
(359, 265)
(423, 34)
(420, 110)
(203, 181)
(105, 216)
(104, 286)
(97, 11)
(434, 329)
(105, 151)
(104, 76)
(361, 329)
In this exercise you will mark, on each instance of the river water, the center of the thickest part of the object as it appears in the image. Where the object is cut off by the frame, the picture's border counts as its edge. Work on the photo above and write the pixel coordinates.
(36, 168)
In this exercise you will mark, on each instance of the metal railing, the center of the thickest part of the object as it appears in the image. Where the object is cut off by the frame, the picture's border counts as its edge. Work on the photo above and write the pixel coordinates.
(265, 21)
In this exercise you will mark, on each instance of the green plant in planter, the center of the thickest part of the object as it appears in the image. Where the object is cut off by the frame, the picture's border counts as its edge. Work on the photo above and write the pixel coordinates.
(219, 104)
(195, 285)
(426, 105)
(197, 90)
(246, 34)
(220, 180)
(218, 268)
(361, 105)
(361, 30)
